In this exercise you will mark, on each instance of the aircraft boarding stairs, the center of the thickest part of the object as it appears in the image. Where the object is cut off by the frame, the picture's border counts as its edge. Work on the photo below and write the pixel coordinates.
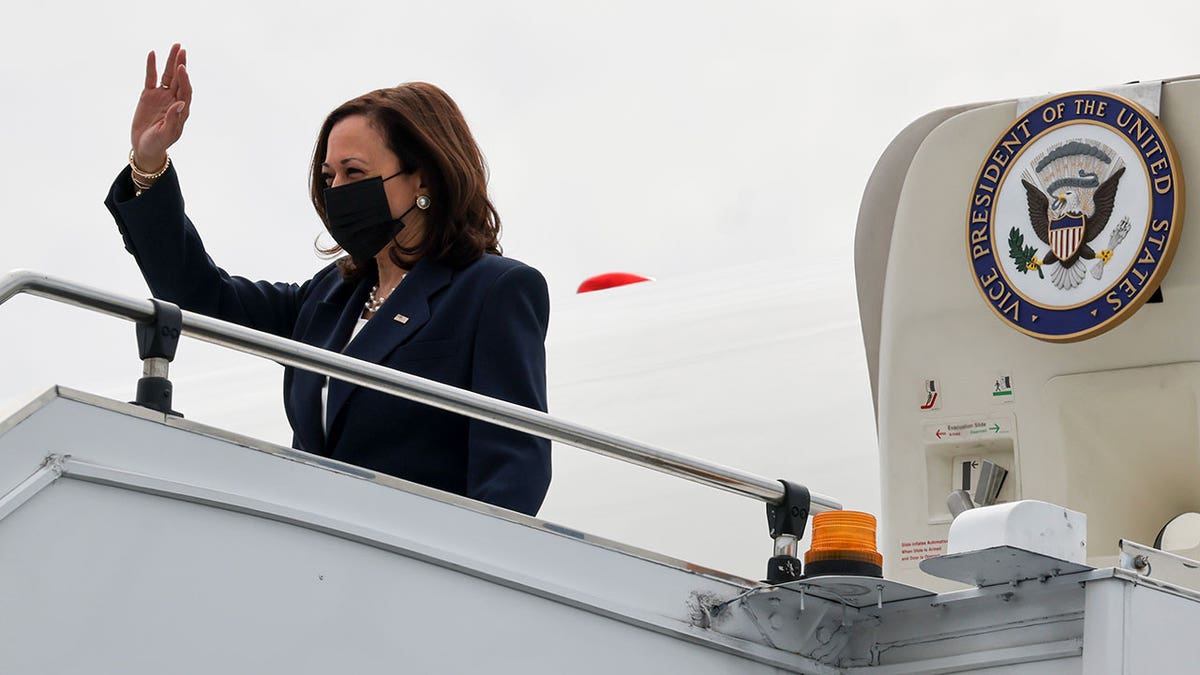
(136, 541)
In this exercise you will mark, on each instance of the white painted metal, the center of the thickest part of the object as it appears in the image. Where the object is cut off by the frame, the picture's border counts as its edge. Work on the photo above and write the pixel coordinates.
(145, 543)
(159, 539)
(46, 474)
(1132, 628)
(1160, 566)
(1027, 524)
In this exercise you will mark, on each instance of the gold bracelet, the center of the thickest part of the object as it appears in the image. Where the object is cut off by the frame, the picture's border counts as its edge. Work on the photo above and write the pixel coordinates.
(148, 177)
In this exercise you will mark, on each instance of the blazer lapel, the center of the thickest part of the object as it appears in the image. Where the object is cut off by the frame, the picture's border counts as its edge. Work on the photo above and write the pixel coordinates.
(329, 328)
(403, 314)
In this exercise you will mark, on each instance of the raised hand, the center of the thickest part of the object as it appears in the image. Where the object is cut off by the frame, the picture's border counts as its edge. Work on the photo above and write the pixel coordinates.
(161, 111)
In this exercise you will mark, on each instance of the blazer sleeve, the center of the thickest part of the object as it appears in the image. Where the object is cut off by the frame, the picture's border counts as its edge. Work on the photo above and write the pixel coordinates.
(505, 467)
(171, 256)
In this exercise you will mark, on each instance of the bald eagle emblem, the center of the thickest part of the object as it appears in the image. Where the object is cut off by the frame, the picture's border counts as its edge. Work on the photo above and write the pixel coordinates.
(1069, 206)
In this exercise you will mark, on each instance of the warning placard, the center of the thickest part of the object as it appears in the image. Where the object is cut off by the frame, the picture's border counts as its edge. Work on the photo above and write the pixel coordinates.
(922, 549)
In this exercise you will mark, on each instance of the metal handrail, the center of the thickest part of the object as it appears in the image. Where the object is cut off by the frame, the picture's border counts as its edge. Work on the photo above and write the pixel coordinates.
(398, 383)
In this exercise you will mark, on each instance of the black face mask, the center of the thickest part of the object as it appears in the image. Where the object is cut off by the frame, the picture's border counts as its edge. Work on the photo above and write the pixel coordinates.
(359, 217)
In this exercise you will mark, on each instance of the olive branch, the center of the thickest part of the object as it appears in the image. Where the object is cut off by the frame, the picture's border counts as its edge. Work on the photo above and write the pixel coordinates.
(1021, 254)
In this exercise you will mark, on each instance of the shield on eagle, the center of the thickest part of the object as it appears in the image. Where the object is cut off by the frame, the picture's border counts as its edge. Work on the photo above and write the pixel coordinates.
(1066, 235)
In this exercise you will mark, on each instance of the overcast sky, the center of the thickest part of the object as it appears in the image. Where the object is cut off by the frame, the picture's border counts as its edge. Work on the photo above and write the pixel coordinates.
(675, 139)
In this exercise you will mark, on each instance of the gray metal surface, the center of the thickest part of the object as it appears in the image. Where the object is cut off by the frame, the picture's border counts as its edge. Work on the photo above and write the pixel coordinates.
(373, 376)
(1132, 627)
(1162, 566)
(1010, 630)
(998, 565)
(155, 538)
(136, 539)
(857, 592)
(156, 367)
(45, 474)
(331, 465)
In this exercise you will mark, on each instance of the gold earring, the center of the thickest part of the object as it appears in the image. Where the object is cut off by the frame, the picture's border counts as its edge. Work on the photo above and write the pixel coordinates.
(423, 202)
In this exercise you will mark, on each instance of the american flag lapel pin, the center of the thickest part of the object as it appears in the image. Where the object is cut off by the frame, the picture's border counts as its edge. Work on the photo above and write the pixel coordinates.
(400, 318)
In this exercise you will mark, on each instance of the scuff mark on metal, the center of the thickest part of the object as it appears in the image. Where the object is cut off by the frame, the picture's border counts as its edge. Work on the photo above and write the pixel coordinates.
(763, 632)
(704, 609)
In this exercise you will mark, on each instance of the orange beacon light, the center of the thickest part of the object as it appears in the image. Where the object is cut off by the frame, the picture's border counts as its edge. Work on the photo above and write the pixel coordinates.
(843, 542)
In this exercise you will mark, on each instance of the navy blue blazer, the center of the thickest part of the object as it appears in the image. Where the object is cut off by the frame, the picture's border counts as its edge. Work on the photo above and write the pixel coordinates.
(481, 328)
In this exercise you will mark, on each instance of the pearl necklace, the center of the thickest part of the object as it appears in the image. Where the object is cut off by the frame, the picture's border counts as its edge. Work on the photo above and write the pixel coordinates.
(374, 303)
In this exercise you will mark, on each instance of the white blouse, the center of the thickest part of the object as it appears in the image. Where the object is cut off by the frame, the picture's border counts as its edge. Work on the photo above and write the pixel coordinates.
(358, 326)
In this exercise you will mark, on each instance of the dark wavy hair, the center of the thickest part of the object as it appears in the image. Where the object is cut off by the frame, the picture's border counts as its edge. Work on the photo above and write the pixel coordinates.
(425, 129)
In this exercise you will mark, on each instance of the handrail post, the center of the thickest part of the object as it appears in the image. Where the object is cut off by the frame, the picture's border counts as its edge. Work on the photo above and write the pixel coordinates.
(786, 522)
(157, 340)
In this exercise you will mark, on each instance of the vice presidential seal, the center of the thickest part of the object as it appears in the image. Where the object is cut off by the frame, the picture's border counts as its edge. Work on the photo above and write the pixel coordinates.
(1075, 216)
